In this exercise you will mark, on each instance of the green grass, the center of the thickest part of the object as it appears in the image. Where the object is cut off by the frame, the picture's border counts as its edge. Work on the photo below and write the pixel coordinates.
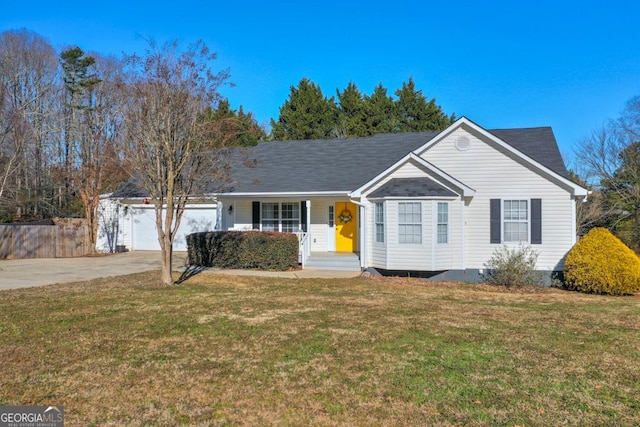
(222, 350)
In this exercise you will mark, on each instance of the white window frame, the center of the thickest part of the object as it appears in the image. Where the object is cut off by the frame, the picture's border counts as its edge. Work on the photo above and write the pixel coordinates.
(270, 218)
(379, 222)
(410, 223)
(442, 223)
(332, 216)
(284, 220)
(290, 217)
(522, 219)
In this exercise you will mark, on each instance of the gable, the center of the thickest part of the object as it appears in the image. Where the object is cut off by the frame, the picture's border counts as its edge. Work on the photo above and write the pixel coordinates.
(411, 188)
(412, 167)
(473, 154)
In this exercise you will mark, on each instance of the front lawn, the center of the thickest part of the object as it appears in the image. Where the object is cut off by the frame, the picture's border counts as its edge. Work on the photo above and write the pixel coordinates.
(222, 350)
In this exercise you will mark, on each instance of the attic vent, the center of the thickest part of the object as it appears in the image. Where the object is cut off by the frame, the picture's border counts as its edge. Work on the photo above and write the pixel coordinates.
(462, 143)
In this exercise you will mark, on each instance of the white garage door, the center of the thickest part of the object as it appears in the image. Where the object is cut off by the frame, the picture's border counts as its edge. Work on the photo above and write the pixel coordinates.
(143, 226)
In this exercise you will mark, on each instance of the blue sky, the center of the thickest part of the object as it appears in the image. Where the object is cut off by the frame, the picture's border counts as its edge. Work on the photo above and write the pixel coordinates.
(570, 65)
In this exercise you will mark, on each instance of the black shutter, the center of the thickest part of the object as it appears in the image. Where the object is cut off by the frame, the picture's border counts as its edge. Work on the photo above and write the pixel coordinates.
(536, 221)
(303, 215)
(256, 215)
(495, 220)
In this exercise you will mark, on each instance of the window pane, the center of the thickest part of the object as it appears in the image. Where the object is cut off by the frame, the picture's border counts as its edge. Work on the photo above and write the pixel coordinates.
(380, 233)
(409, 233)
(442, 233)
(331, 216)
(269, 225)
(410, 222)
(289, 226)
(443, 223)
(524, 211)
(290, 211)
(516, 220)
(269, 211)
(379, 221)
(379, 212)
(523, 235)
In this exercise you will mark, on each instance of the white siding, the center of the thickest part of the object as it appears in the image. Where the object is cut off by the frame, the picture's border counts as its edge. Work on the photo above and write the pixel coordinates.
(110, 225)
(319, 227)
(492, 174)
(449, 256)
(127, 227)
(242, 215)
(377, 251)
(410, 256)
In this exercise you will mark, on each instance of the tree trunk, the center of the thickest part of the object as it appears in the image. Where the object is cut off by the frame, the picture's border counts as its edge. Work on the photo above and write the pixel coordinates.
(167, 261)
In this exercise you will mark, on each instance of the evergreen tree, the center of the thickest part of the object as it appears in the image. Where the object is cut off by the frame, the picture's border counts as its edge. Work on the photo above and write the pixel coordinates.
(242, 128)
(307, 114)
(352, 112)
(379, 109)
(415, 114)
(79, 81)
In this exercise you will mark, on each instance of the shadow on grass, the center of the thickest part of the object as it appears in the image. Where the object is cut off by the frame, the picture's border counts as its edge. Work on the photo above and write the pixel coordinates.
(189, 272)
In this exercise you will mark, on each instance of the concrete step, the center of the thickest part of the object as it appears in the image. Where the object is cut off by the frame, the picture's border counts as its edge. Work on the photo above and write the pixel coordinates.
(349, 262)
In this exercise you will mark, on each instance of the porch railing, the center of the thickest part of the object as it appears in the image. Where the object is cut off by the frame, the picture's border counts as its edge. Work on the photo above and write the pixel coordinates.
(305, 247)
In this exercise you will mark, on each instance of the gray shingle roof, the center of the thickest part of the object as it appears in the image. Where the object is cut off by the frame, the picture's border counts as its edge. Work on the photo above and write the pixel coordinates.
(411, 187)
(321, 165)
(344, 165)
(538, 143)
(131, 189)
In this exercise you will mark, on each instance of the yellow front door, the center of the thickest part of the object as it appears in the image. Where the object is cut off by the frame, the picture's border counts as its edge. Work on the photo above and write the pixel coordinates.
(346, 227)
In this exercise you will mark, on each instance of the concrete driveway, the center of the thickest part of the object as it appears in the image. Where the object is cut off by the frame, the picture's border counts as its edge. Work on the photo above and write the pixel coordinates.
(24, 273)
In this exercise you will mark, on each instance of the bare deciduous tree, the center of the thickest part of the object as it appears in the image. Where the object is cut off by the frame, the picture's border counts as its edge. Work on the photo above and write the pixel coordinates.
(28, 90)
(98, 146)
(173, 151)
(610, 159)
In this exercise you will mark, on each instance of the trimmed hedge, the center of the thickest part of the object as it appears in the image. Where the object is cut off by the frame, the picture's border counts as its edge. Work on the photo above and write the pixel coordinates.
(600, 263)
(243, 250)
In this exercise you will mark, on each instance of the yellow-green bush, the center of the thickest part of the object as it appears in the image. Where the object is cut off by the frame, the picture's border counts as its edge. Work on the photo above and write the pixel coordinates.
(600, 263)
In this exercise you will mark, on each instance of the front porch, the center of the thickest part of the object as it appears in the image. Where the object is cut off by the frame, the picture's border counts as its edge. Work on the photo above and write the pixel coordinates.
(328, 229)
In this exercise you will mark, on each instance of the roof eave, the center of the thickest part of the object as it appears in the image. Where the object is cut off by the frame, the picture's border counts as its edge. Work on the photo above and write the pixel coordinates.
(274, 194)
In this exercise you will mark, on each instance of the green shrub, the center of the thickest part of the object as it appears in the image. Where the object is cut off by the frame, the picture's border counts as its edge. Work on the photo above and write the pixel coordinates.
(600, 263)
(513, 267)
(245, 250)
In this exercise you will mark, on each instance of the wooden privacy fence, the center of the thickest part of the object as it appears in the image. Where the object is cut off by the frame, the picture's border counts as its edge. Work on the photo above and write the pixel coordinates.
(63, 240)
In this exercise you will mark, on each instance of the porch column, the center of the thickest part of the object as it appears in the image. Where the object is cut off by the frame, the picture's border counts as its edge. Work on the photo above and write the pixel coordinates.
(364, 231)
(308, 220)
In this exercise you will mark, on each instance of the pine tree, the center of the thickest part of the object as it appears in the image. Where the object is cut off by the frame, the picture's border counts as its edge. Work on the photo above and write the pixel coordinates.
(307, 114)
(379, 107)
(415, 114)
(352, 112)
(79, 80)
(242, 128)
